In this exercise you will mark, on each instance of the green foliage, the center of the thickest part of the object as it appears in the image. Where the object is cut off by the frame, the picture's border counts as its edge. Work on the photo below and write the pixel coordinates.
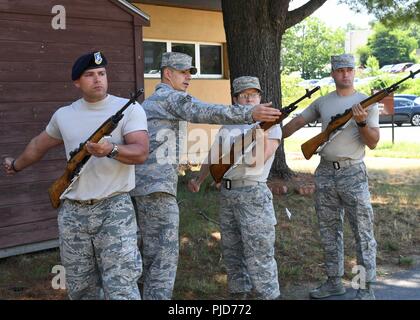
(291, 91)
(414, 32)
(413, 56)
(391, 46)
(364, 53)
(373, 64)
(391, 245)
(307, 47)
(406, 261)
(384, 80)
(290, 88)
(389, 12)
(411, 86)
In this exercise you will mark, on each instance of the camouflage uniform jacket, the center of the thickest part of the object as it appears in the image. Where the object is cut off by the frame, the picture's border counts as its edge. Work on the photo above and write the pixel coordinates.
(165, 108)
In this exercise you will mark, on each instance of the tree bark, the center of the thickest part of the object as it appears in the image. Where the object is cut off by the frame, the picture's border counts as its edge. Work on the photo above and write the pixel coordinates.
(254, 29)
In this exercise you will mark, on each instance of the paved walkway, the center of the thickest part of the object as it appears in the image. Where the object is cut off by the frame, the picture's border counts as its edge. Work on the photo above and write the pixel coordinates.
(402, 285)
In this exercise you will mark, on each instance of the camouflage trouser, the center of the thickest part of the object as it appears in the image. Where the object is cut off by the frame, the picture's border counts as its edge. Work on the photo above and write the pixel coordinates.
(98, 246)
(342, 191)
(158, 219)
(247, 221)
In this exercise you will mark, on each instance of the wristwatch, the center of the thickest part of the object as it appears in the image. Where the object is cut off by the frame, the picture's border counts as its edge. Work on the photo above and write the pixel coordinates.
(361, 124)
(114, 151)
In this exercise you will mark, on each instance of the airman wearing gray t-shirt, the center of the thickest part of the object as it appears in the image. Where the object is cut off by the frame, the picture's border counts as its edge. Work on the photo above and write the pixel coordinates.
(341, 178)
(96, 219)
(349, 143)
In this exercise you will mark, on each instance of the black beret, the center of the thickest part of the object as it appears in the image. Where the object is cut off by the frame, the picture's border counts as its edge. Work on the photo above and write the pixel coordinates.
(88, 61)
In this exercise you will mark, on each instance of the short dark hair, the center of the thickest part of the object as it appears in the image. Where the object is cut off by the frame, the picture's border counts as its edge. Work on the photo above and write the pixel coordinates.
(162, 69)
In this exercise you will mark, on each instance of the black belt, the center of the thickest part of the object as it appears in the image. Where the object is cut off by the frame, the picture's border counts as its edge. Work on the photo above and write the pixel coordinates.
(229, 184)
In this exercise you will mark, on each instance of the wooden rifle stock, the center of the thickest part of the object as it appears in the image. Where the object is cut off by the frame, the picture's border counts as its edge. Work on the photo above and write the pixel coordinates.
(311, 146)
(218, 170)
(80, 156)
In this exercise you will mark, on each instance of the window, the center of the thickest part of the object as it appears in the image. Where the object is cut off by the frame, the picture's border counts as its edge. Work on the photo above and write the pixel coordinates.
(403, 104)
(210, 59)
(207, 58)
(185, 48)
(152, 56)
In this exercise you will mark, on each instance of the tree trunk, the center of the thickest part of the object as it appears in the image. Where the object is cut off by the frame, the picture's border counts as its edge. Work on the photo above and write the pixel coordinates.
(254, 29)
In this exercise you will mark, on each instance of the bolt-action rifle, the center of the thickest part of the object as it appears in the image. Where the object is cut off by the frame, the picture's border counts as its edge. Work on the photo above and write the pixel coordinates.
(80, 156)
(218, 170)
(317, 143)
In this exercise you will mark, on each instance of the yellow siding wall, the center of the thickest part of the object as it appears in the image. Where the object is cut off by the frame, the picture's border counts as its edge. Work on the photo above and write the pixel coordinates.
(208, 90)
(169, 23)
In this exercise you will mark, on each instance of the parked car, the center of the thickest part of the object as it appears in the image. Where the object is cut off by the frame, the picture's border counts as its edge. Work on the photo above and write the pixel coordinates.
(327, 81)
(386, 68)
(411, 97)
(405, 111)
(401, 67)
(414, 67)
(308, 83)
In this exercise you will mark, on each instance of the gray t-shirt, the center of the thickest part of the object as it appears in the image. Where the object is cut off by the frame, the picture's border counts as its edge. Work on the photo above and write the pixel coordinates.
(101, 177)
(348, 144)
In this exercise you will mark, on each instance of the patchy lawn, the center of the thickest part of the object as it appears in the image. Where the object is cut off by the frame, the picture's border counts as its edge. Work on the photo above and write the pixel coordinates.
(395, 189)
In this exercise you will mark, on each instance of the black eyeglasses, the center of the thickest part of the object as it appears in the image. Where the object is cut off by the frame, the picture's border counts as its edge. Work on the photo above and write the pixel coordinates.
(249, 95)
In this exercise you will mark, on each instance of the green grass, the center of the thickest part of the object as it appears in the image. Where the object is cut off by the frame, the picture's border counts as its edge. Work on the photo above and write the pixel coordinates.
(293, 144)
(396, 202)
(201, 271)
(408, 150)
(386, 149)
(406, 261)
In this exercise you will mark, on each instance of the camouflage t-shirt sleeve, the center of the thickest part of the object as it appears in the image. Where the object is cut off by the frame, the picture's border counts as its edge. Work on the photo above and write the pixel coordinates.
(184, 107)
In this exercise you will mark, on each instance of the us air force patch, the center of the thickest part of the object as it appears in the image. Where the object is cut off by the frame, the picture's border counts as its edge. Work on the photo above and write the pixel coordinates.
(98, 58)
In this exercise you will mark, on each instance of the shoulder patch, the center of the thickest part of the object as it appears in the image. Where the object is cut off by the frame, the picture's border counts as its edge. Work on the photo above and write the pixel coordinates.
(184, 99)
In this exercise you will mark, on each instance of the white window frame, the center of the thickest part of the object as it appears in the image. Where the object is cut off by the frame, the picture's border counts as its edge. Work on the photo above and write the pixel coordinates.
(198, 75)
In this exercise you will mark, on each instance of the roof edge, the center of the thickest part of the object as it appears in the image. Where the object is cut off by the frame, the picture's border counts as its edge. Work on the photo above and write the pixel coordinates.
(135, 9)
(206, 5)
